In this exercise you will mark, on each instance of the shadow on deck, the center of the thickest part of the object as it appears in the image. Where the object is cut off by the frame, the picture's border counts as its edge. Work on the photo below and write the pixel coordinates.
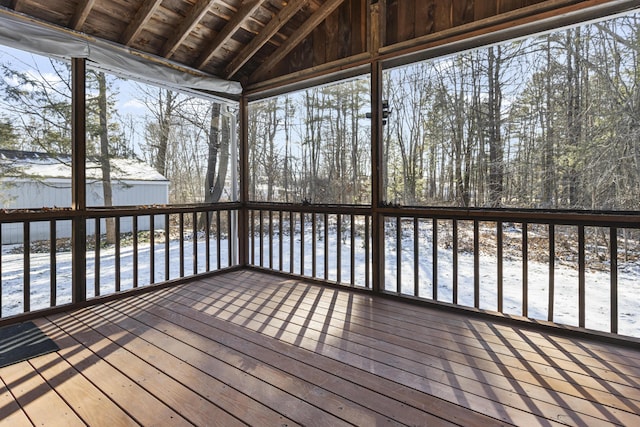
(248, 347)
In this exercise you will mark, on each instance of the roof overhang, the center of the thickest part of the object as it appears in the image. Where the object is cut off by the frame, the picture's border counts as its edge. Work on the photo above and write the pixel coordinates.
(29, 34)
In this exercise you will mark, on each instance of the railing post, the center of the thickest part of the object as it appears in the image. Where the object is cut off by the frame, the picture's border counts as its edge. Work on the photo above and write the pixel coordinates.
(78, 180)
(377, 219)
(243, 217)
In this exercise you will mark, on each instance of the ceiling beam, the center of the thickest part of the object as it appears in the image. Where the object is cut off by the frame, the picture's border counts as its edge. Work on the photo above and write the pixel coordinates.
(269, 30)
(139, 20)
(80, 16)
(305, 29)
(195, 15)
(245, 11)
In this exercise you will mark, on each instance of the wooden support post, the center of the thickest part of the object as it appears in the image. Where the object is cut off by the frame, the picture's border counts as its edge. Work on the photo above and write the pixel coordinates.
(376, 17)
(78, 180)
(243, 215)
(377, 25)
(377, 219)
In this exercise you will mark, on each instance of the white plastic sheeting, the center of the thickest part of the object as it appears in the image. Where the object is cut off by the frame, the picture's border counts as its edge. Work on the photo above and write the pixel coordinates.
(48, 40)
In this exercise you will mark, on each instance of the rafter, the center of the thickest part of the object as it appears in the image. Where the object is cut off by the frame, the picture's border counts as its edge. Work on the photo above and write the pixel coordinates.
(269, 30)
(195, 15)
(305, 29)
(80, 16)
(15, 4)
(139, 20)
(247, 9)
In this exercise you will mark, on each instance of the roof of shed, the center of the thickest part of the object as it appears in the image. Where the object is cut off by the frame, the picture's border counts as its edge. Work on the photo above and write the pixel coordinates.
(38, 165)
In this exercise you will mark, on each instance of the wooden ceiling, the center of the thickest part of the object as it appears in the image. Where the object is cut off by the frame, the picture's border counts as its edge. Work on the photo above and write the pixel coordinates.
(227, 38)
(252, 41)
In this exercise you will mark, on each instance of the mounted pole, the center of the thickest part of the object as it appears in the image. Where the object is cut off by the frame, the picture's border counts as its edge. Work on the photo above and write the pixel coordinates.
(78, 180)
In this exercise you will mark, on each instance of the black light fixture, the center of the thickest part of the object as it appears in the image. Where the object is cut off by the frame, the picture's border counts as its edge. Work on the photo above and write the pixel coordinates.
(386, 112)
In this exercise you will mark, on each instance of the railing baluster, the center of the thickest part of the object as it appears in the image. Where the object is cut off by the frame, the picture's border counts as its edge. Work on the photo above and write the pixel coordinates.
(167, 242)
(96, 261)
(181, 241)
(270, 239)
(53, 249)
(261, 238)
(525, 269)
(367, 258)
(229, 244)
(613, 251)
(291, 243)
(117, 255)
(434, 256)
(134, 219)
(302, 243)
(152, 249)
(500, 252)
(552, 273)
(416, 258)
(26, 240)
(207, 240)
(313, 245)
(581, 277)
(280, 246)
(353, 249)
(476, 264)
(326, 246)
(218, 240)
(398, 255)
(454, 283)
(194, 227)
(253, 237)
(339, 248)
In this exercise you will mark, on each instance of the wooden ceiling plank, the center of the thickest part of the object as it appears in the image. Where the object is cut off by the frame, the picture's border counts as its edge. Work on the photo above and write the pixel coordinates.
(305, 29)
(245, 11)
(81, 14)
(269, 30)
(139, 20)
(195, 15)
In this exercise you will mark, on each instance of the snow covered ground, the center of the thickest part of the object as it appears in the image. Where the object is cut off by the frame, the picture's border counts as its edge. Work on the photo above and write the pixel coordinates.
(566, 278)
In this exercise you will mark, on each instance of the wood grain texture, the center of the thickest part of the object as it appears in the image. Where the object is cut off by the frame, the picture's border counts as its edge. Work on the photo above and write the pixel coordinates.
(269, 30)
(251, 348)
(142, 16)
(262, 42)
(189, 22)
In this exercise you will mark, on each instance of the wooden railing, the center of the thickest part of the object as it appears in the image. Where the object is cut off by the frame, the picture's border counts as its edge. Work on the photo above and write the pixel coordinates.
(329, 243)
(552, 266)
(562, 267)
(556, 266)
(125, 248)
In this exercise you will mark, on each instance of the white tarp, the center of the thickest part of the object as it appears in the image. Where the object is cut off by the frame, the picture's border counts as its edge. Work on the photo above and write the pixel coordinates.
(48, 40)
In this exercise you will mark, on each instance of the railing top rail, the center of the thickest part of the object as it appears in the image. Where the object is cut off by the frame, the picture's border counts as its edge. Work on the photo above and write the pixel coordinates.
(45, 214)
(560, 217)
(95, 212)
(311, 208)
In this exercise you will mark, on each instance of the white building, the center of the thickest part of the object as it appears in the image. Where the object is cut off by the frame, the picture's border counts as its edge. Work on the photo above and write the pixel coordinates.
(32, 180)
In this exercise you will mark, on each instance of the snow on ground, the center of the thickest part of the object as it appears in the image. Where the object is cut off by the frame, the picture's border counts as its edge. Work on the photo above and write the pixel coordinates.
(566, 278)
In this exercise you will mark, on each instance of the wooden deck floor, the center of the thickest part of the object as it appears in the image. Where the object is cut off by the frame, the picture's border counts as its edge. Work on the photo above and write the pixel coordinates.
(252, 348)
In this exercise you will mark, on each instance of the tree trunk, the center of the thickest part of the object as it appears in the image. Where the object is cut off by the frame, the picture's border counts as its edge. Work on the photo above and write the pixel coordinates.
(160, 162)
(105, 164)
(212, 159)
(496, 172)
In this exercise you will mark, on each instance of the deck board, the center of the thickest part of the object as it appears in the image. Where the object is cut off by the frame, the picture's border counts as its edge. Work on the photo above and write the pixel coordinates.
(495, 374)
(250, 348)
